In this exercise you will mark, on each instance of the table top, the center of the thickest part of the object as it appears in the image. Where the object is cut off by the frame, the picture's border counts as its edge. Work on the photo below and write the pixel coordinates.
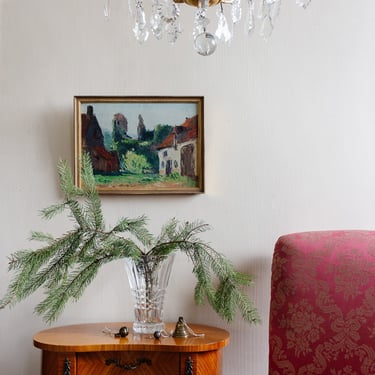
(91, 338)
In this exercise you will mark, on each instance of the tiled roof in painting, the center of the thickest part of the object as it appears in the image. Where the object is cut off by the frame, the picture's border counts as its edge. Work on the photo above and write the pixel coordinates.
(181, 133)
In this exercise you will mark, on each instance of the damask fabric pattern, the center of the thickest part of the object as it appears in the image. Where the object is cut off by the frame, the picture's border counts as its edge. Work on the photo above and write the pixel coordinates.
(322, 314)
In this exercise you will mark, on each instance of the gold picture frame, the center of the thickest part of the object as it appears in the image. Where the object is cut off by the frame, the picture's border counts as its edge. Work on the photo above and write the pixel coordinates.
(141, 144)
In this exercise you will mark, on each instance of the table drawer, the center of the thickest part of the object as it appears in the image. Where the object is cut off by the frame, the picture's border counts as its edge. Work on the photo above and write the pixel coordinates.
(122, 362)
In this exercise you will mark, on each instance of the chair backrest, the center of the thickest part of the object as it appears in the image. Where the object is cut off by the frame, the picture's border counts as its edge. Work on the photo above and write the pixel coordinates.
(322, 312)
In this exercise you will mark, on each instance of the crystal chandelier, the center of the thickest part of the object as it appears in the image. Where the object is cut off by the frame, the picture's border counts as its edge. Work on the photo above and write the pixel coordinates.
(164, 20)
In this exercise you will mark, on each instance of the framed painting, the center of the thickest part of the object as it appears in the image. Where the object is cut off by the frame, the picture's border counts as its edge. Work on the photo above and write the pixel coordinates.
(141, 144)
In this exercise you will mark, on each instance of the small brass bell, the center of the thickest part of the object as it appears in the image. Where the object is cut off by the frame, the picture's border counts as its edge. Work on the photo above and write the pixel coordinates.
(180, 330)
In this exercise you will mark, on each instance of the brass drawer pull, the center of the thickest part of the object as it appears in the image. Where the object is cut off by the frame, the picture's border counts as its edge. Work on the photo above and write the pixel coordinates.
(131, 366)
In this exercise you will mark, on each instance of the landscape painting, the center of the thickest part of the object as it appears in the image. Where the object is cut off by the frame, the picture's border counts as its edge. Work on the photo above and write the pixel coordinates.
(141, 145)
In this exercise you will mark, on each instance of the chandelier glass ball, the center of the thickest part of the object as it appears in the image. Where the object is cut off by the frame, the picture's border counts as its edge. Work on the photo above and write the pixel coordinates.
(205, 44)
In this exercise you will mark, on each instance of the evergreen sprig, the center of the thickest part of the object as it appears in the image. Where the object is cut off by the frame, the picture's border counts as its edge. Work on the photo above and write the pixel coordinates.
(66, 265)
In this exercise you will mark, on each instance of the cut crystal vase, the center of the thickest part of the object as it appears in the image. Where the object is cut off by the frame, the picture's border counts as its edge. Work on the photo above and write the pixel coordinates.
(148, 279)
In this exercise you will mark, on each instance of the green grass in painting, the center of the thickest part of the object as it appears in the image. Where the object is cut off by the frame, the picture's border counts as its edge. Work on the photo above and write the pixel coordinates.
(143, 179)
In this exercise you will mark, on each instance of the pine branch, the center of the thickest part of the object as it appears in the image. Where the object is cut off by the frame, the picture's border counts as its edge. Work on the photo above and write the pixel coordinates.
(49, 212)
(72, 288)
(31, 275)
(137, 228)
(67, 186)
(41, 237)
(229, 295)
(92, 202)
(65, 266)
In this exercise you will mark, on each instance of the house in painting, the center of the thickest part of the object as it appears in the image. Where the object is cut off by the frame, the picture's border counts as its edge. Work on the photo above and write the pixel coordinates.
(103, 161)
(178, 152)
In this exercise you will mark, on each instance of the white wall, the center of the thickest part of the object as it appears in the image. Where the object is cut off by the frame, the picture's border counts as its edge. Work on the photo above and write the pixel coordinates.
(289, 129)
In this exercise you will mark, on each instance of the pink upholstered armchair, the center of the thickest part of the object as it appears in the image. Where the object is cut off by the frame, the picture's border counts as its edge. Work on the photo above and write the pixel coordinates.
(322, 314)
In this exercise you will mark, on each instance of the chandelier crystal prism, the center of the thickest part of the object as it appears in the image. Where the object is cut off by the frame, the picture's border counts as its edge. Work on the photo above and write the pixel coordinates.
(164, 20)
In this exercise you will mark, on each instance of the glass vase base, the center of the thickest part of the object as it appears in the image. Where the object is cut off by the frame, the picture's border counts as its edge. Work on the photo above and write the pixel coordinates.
(149, 328)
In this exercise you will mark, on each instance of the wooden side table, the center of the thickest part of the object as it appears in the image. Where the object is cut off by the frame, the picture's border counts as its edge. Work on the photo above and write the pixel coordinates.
(85, 350)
